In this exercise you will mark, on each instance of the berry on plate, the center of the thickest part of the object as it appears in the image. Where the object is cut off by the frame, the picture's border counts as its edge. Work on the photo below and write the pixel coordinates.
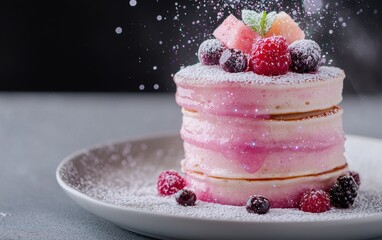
(270, 56)
(185, 197)
(356, 177)
(344, 192)
(170, 182)
(314, 201)
(210, 51)
(257, 204)
(306, 55)
(233, 61)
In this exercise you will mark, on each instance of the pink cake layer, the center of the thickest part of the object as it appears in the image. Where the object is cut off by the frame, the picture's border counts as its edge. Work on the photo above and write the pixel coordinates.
(232, 147)
(282, 193)
(212, 90)
(279, 164)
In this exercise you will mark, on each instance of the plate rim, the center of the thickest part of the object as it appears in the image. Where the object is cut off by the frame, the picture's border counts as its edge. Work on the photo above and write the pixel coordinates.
(70, 190)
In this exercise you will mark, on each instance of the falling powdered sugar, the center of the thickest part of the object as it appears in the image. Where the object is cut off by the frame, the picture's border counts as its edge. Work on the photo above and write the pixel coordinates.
(4, 214)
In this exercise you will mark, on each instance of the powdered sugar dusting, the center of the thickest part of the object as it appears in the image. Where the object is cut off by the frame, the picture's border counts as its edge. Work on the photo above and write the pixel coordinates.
(199, 74)
(125, 175)
(4, 214)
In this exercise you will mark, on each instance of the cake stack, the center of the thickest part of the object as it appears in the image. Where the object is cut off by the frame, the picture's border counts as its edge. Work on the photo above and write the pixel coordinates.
(248, 134)
(260, 116)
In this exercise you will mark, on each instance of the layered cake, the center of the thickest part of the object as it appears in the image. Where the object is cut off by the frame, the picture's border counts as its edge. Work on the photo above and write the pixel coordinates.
(251, 134)
(261, 116)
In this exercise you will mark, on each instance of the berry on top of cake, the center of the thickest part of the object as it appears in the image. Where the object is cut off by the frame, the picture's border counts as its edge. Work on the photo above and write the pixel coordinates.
(233, 33)
(272, 42)
(210, 51)
(270, 56)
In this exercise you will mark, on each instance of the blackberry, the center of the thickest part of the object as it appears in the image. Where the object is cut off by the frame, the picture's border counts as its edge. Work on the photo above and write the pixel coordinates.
(185, 197)
(210, 51)
(356, 177)
(257, 204)
(233, 61)
(305, 54)
(344, 192)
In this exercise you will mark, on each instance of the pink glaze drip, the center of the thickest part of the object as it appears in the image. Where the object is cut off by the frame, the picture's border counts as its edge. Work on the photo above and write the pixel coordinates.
(251, 156)
(229, 103)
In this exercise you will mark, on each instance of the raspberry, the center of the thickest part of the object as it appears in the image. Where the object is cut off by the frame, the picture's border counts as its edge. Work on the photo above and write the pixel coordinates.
(233, 61)
(270, 56)
(185, 197)
(306, 55)
(315, 201)
(257, 204)
(344, 192)
(210, 51)
(356, 177)
(169, 182)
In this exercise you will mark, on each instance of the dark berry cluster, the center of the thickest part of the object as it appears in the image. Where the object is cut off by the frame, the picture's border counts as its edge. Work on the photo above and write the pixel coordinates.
(213, 52)
(344, 192)
(356, 177)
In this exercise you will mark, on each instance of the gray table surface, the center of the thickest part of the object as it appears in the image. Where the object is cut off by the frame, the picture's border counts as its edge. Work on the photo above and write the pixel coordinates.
(38, 130)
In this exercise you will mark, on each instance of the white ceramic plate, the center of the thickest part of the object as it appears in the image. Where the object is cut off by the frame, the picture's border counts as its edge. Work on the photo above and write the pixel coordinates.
(116, 182)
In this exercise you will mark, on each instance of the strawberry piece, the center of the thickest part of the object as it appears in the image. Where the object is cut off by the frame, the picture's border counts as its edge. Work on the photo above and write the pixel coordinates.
(235, 34)
(284, 25)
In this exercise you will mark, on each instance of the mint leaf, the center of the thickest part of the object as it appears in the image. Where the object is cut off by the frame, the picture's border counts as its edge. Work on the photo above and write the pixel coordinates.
(263, 17)
(259, 22)
(271, 17)
(250, 18)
